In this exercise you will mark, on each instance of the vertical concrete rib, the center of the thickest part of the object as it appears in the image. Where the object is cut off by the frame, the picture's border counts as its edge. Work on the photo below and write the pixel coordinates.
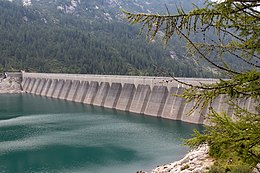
(30, 87)
(90, 94)
(52, 87)
(140, 99)
(215, 104)
(23, 84)
(192, 117)
(113, 95)
(67, 94)
(35, 86)
(186, 110)
(65, 89)
(26, 88)
(157, 100)
(101, 94)
(46, 87)
(224, 106)
(29, 83)
(58, 88)
(170, 110)
(251, 105)
(26, 83)
(203, 115)
(241, 102)
(179, 104)
(40, 87)
(73, 89)
(126, 97)
(218, 105)
(230, 110)
(82, 89)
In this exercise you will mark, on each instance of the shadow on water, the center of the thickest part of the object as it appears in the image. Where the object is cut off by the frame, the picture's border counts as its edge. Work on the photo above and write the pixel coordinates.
(165, 125)
(63, 157)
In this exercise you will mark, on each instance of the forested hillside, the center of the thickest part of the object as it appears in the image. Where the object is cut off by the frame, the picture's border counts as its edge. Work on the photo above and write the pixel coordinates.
(39, 40)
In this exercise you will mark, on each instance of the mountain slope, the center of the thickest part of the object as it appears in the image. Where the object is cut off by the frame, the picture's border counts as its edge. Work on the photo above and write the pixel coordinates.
(83, 37)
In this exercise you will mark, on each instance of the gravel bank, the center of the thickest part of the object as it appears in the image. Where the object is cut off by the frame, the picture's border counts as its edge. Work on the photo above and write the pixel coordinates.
(196, 161)
(10, 85)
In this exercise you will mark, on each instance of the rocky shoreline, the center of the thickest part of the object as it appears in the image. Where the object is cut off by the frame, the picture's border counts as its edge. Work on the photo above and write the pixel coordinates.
(196, 161)
(10, 85)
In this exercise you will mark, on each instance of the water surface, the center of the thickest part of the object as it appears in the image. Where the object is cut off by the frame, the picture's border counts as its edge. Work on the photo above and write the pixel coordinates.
(39, 134)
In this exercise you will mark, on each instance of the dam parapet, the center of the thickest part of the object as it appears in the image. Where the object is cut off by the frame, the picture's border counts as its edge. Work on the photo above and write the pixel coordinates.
(136, 80)
(146, 95)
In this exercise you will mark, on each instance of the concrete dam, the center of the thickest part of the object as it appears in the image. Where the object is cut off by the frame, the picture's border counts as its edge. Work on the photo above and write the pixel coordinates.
(151, 96)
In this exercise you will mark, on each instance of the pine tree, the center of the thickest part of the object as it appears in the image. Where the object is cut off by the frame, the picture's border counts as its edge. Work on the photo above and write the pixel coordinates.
(236, 28)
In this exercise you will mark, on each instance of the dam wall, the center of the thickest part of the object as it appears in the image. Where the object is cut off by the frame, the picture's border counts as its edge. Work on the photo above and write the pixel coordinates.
(153, 96)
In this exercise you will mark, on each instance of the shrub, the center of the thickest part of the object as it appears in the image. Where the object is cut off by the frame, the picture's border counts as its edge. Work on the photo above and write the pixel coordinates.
(216, 169)
(241, 169)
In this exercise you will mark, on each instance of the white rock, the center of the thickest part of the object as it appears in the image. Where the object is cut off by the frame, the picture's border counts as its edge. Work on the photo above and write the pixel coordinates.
(197, 160)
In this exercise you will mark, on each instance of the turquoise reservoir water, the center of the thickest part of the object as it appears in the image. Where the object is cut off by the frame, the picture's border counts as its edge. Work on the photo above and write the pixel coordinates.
(39, 134)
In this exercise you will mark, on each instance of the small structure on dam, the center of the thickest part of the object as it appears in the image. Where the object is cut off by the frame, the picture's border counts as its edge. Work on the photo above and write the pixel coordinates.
(139, 94)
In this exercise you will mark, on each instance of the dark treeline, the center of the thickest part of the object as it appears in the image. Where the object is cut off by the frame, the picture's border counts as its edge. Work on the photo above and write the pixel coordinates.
(70, 44)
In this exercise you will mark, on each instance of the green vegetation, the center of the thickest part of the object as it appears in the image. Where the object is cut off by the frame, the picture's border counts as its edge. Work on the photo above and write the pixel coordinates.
(219, 168)
(234, 142)
(184, 167)
(43, 39)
